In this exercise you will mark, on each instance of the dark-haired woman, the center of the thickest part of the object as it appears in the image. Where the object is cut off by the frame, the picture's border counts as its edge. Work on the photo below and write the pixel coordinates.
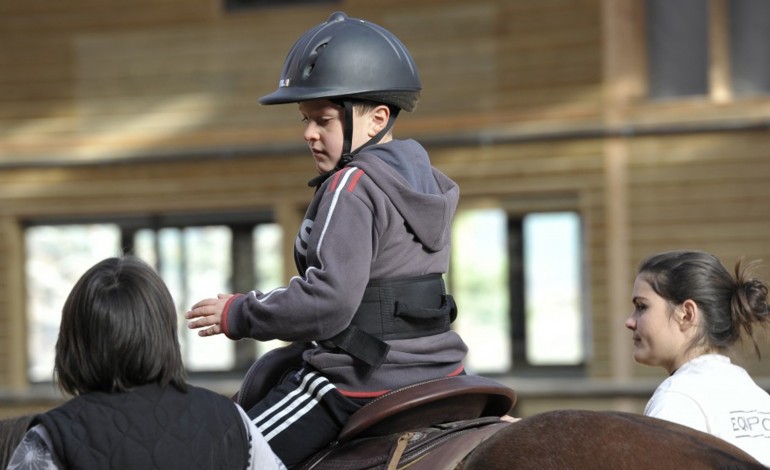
(688, 311)
(118, 354)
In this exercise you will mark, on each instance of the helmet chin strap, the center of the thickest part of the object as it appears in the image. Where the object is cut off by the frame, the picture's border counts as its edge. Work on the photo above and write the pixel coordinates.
(347, 142)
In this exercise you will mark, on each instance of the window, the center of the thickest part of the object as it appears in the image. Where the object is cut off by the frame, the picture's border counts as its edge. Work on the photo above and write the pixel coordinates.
(714, 48)
(517, 281)
(677, 47)
(552, 291)
(749, 25)
(56, 257)
(197, 257)
(478, 281)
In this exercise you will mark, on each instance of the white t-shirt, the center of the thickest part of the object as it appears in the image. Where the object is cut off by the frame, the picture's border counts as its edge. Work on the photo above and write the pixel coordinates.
(712, 395)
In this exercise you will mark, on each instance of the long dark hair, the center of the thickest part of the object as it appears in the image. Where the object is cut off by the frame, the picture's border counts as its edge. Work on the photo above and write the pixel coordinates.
(118, 331)
(729, 303)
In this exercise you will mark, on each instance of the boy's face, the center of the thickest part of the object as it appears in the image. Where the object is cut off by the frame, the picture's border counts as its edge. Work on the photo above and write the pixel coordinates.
(324, 122)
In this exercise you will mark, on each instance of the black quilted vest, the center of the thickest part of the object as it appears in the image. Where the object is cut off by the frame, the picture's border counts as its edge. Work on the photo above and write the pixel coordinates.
(149, 428)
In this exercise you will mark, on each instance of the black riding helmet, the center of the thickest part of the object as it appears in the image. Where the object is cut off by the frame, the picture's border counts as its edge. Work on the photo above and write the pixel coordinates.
(346, 60)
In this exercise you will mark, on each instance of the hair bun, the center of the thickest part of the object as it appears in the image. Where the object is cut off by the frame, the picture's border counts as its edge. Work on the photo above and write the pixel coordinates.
(755, 292)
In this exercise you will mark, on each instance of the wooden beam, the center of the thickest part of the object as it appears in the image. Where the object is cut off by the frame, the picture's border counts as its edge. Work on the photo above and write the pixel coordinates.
(621, 22)
(720, 87)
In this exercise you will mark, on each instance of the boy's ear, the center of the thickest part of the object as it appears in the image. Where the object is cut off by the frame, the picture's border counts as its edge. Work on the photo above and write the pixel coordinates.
(379, 119)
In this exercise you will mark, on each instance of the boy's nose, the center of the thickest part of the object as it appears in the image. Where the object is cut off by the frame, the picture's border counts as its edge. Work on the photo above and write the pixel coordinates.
(310, 133)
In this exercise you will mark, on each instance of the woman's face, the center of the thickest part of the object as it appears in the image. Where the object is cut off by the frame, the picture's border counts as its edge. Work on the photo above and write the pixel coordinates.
(658, 339)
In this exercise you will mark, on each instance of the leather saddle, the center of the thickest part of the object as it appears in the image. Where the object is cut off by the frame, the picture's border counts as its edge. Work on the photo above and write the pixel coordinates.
(427, 426)
(438, 401)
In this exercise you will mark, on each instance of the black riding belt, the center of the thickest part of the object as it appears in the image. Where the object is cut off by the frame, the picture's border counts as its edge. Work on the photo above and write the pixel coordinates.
(391, 309)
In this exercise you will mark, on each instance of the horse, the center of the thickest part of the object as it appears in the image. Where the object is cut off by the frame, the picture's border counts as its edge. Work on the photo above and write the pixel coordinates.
(579, 439)
(457, 423)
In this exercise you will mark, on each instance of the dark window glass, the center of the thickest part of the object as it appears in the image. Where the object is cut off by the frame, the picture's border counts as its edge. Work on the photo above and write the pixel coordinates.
(677, 47)
(749, 25)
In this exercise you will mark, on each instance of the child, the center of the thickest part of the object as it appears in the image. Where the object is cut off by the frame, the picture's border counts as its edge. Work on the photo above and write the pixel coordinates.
(118, 355)
(688, 311)
(370, 253)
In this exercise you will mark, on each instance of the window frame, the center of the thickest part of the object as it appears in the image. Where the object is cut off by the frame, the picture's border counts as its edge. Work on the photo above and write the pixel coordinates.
(517, 209)
(241, 224)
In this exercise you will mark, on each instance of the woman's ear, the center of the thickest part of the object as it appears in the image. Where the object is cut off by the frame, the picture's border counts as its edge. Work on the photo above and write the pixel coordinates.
(379, 119)
(689, 314)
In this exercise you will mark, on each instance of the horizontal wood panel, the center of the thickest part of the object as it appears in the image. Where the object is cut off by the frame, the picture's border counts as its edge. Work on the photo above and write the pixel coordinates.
(94, 76)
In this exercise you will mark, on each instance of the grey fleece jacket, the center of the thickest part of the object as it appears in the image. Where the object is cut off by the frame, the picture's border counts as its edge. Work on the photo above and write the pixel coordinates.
(386, 215)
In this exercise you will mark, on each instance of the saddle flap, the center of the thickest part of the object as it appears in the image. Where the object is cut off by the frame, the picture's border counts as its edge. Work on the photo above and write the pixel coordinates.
(439, 401)
(440, 446)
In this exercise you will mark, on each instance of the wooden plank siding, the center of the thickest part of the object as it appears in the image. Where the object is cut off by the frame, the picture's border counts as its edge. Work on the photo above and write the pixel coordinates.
(100, 87)
(141, 107)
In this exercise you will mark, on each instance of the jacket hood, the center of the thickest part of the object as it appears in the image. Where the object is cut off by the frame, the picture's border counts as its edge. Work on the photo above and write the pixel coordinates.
(425, 197)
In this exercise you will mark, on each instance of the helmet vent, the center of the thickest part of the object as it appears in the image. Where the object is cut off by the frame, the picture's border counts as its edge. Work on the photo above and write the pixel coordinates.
(313, 56)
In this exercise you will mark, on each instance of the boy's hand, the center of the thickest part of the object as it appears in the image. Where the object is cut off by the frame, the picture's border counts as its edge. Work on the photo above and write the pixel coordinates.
(208, 312)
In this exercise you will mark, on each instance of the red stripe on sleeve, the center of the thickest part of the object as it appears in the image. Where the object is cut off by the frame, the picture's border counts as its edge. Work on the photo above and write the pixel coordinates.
(225, 311)
(354, 180)
(335, 181)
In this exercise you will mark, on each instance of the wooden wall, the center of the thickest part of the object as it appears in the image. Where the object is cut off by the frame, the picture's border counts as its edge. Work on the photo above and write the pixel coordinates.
(88, 81)
(149, 106)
